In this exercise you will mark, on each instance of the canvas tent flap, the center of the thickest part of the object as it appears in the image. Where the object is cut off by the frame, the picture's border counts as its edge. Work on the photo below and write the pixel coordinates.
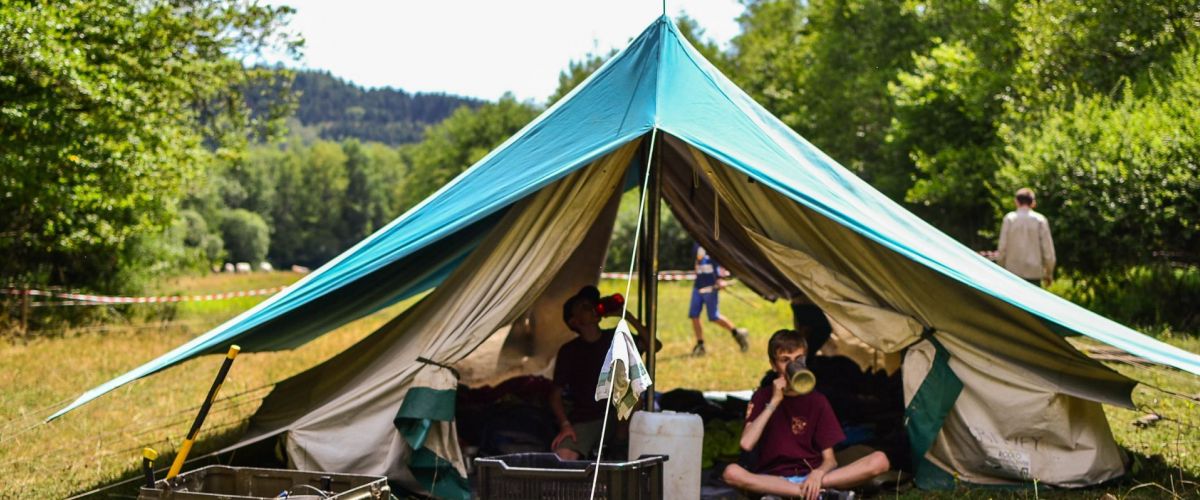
(365, 385)
(930, 391)
(426, 422)
(1004, 430)
(887, 300)
(694, 203)
(529, 344)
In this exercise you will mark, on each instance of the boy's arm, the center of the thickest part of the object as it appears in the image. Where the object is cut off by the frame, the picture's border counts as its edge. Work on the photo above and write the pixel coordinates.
(1048, 258)
(556, 406)
(754, 429)
(811, 488)
(1002, 247)
(560, 414)
(640, 337)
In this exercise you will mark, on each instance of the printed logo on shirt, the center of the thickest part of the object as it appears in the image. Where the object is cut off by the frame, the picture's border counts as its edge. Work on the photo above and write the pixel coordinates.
(798, 425)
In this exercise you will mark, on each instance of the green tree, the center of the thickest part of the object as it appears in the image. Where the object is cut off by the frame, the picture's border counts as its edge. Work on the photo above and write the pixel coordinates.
(455, 144)
(945, 120)
(245, 235)
(1117, 177)
(1092, 46)
(674, 243)
(374, 178)
(204, 242)
(310, 187)
(823, 67)
(109, 109)
(946, 111)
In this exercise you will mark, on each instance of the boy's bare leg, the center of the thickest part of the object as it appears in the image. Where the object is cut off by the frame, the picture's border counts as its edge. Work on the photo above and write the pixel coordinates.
(698, 329)
(723, 321)
(847, 477)
(741, 336)
(857, 472)
(738, 477)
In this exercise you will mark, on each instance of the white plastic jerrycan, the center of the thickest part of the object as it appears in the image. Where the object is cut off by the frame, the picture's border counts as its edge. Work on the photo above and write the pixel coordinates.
(678, 435)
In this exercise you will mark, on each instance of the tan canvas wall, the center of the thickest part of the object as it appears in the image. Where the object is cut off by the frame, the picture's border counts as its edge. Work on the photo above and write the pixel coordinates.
(338, 415)
(1004, 429)
(529, 345)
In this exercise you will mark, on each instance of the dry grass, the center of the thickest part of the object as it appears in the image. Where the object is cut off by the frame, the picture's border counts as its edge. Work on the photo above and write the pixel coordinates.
(101, 442)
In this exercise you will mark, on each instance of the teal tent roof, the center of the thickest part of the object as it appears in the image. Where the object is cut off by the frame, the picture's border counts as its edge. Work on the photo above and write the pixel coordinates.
(658, 82)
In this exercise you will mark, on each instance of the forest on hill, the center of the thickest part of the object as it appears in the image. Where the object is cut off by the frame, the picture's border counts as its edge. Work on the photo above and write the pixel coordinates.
(338, 109)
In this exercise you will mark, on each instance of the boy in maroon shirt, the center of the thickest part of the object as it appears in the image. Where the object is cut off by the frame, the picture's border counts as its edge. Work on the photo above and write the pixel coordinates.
(576, 371)
(795, 434)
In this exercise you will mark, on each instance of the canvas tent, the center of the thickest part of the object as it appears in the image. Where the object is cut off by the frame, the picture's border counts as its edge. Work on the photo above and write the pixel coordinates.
(994, 392)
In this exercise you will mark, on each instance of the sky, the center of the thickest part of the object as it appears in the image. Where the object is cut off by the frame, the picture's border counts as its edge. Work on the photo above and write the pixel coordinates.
(479, 48)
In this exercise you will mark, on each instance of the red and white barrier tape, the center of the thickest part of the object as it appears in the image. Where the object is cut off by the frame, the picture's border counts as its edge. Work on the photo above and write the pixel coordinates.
(80, 299)
(662, 276)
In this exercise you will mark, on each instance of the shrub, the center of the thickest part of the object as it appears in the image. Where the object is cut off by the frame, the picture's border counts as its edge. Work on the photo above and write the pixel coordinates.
(1142, 296)
(246, 236)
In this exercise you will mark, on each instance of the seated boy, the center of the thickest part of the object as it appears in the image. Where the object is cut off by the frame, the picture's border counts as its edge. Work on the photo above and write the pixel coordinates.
(795, 435)
(576, 371)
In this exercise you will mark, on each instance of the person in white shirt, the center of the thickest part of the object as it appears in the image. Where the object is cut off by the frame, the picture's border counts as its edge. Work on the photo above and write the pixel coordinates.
(1026, 248)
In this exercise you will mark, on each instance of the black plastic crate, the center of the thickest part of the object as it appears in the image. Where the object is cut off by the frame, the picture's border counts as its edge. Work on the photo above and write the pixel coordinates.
(543, 476)
(219, 482)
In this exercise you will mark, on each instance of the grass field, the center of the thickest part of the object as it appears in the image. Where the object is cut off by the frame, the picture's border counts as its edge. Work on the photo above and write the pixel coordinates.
(101, 442)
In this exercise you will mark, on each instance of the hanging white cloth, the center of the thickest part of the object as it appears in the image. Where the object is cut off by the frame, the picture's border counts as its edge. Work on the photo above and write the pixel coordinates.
(624, 372)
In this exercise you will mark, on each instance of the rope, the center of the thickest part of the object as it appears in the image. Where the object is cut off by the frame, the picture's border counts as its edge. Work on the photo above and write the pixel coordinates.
(1154, 411)
(625, 307)
(138, 476)
(6, 437)
(121, 431)
(1179, 395)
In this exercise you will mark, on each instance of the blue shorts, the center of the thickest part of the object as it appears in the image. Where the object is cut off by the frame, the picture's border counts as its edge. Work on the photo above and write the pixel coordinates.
(796, 479)
(707, 301)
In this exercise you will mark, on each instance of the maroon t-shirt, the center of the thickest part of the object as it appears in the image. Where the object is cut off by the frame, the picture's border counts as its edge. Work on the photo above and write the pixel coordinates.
(800, 428)
(577, 369)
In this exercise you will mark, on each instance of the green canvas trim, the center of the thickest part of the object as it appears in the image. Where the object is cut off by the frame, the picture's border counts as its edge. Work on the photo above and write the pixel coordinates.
(924, 417)
(414, 431)
(425, 402)
(421, 406)
(438, 477)
(930, 477)
(925, 414)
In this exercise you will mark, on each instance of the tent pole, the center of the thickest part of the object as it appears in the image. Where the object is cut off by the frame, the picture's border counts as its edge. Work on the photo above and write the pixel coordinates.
(649, 278)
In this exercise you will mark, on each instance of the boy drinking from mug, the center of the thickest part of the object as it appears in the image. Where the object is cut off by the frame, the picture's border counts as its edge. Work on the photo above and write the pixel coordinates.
(794, 435)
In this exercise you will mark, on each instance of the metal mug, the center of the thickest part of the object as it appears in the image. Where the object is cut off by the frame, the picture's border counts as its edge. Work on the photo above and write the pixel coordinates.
(799, 377)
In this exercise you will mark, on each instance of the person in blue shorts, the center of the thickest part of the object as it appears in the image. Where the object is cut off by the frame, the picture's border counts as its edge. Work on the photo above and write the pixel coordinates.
(706, 295)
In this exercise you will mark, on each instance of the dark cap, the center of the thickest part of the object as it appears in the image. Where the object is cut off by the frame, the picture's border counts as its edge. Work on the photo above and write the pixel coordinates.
(588, 292)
